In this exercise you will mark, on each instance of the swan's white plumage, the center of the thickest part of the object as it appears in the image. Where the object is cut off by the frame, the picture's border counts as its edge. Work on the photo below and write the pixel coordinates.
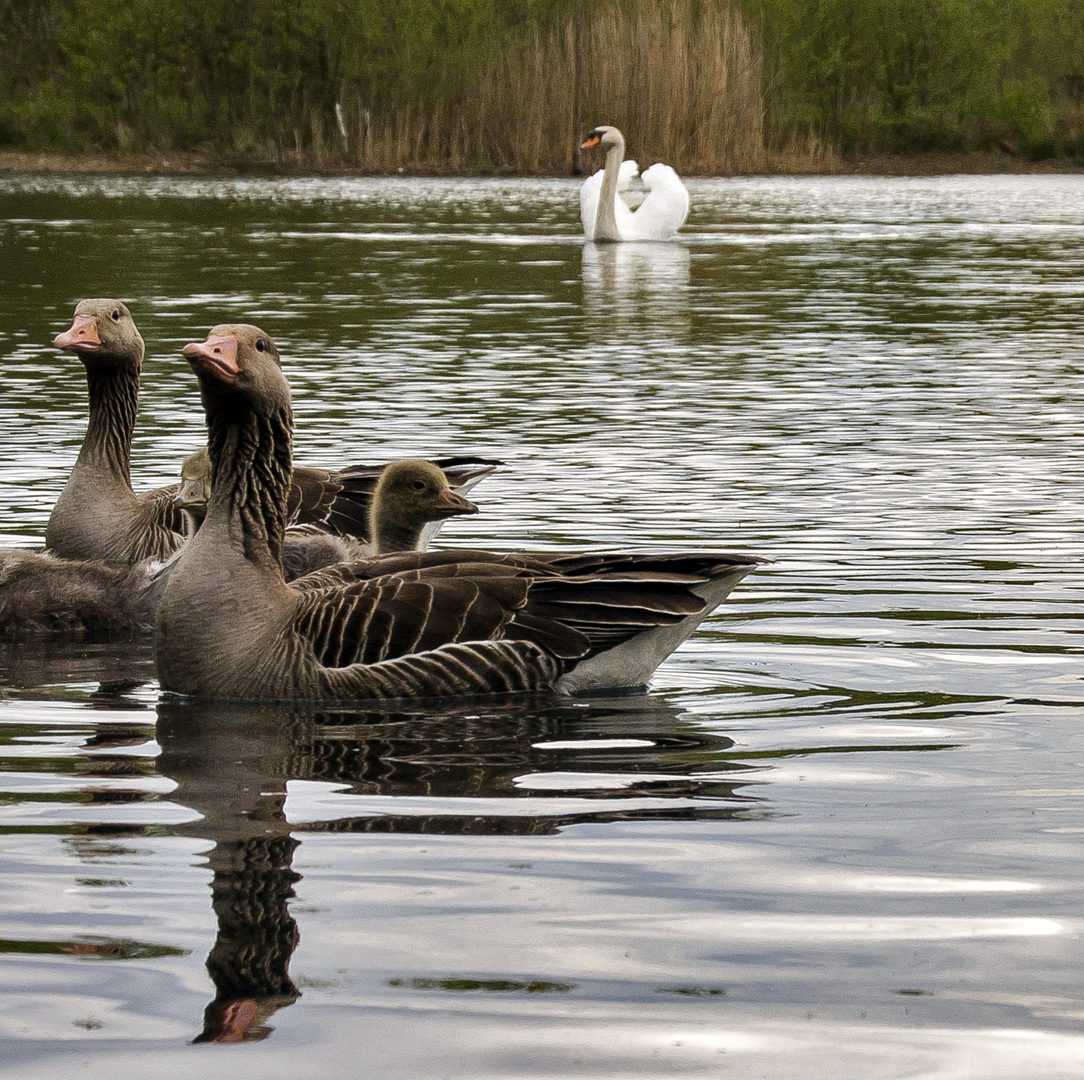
(592, 187)
(661, 212)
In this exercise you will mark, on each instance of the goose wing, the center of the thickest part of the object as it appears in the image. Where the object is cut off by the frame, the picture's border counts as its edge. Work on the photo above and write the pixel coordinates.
(416, 611)
(161, 527)
(312, 495)
(471, 622)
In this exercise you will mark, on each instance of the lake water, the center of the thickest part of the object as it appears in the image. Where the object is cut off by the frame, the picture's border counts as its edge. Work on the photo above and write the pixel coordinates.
(842, 835)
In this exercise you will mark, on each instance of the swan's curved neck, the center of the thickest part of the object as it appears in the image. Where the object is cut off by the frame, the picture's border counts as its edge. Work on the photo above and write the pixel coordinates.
(114, 398)
(250, 478)
(606, 216)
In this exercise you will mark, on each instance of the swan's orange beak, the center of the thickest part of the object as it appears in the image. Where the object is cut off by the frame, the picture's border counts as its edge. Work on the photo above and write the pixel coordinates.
(591, 142)
(217, 356)
(81, 337)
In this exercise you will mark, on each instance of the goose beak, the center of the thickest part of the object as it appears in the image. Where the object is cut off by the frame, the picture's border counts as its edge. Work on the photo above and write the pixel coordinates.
(82, 337)
(186, 495)
(591, 142)
(451, 503)
(217, 356)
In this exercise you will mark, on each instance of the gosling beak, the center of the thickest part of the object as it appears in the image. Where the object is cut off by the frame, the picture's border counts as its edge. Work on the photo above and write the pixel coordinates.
(185, 497)
(82, 337)
(217, 356)
(451, 503)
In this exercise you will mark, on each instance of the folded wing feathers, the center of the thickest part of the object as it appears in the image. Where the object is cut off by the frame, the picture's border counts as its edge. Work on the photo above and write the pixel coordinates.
(481, 667)
(430, 623)
(163, 522)
(312, 494)
(369, 621)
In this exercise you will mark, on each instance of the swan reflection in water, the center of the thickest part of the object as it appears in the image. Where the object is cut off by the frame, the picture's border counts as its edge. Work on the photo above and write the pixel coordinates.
(635, 285)
(232, 764)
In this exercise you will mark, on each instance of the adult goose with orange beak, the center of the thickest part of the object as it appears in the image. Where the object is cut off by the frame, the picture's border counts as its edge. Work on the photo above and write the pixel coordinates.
(98, 515)
(409, 625)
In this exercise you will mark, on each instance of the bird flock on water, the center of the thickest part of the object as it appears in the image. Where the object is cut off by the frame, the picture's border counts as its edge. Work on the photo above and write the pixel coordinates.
(266, 580)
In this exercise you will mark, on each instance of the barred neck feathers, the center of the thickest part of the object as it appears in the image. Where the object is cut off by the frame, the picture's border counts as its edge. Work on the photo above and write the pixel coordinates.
(250, 475)
(114, 398)
(104, 337)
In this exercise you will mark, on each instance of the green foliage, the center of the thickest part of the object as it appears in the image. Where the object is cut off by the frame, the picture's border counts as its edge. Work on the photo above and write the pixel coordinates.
(902, 75)
(264, 76)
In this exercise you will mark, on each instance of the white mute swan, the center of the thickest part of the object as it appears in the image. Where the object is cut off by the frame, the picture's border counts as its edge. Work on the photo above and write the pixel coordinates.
(606, 215)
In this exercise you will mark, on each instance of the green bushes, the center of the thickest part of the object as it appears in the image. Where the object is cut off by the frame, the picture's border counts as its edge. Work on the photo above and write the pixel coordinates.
(907, 75)
(509, 84)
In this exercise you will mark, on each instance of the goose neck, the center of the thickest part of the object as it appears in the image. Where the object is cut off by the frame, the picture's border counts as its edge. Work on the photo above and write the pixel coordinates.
(114, 400)
(250, 480)
(389, 534)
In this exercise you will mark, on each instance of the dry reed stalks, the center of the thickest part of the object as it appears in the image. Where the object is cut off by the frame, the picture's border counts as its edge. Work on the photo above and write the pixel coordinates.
(682, 82)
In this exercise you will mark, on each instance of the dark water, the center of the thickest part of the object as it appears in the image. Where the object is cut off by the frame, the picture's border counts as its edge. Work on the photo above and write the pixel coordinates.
(843, 835)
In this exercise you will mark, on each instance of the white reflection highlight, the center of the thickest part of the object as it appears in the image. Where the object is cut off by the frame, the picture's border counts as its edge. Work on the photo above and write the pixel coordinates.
(309, 801)
(592, 744)
(823, 929)
(930, 886)
(634, 285)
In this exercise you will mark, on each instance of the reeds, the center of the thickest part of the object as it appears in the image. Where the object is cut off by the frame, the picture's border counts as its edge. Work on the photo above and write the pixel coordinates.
(682, 82)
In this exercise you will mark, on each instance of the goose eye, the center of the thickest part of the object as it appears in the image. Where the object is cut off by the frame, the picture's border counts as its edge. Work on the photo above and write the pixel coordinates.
(116, 315)
(261, 345)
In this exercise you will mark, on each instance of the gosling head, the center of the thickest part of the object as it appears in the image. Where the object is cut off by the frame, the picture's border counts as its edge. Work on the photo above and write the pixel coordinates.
(194, 489)
(409, 495)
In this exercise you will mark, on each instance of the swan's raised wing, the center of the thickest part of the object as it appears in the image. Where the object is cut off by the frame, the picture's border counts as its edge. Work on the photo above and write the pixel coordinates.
(664, 209)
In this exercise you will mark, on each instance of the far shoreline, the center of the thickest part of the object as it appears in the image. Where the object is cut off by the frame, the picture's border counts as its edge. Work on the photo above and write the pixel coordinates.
(992, 162)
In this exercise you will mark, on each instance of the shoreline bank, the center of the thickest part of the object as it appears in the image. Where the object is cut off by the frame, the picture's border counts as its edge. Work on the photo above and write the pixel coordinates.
(187, 164)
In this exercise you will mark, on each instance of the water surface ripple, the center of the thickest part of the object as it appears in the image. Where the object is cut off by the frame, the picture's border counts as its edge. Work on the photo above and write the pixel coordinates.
(841, 833)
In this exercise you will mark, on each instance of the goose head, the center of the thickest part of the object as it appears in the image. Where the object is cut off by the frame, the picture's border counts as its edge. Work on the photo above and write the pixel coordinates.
(604, 136)
(103, 334)
(238, 364)
(194, 489)
(409, 495)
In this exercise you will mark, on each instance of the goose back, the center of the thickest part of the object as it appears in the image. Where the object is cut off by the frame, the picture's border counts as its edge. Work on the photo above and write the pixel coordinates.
(44, 595)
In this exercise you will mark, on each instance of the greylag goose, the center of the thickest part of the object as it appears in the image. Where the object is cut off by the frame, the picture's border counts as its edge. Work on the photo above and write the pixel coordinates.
(416, 624)
(98, 515)
(604, 205)
(39, 594)
(408, 497)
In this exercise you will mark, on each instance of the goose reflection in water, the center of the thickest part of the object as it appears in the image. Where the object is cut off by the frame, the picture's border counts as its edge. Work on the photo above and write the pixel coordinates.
(635, 285)
(231, 764)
